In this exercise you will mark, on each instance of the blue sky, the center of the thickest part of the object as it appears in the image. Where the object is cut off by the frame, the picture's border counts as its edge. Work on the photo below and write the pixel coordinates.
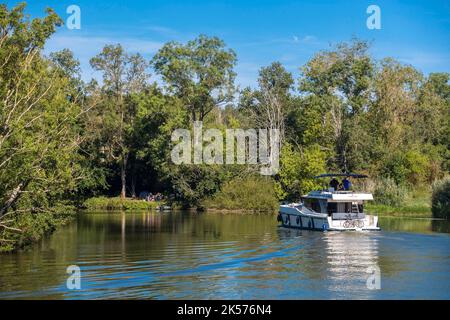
(260, 32)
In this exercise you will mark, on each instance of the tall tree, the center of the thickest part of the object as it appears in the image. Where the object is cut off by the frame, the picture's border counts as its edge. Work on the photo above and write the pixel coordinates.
(439, 84)
(39, 123)
(340, 81)
(269, 104)
(123, 75)
(200, 73)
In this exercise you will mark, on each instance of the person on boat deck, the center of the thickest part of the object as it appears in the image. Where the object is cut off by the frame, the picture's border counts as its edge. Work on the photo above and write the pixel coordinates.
(334, 184)
(346, 184)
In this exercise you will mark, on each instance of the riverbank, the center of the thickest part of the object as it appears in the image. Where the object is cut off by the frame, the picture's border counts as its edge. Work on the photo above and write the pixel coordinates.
(412, 210)
(233, 200)
(36, 226)
(417, 205)
(118, 204)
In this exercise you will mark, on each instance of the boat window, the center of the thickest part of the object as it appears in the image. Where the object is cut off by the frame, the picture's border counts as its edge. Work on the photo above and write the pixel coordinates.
(348, 207)
(344, 207)
(307, 203)
(332, 207)
(312, 204)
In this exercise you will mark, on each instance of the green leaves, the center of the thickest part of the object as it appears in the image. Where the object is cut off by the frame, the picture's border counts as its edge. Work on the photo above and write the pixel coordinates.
(59, 137)
(297, 171)
(441, 199)
(40, 165)
(200, 73)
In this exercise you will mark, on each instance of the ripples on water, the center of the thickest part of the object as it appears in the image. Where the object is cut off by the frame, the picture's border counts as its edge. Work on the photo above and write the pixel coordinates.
(191, 256)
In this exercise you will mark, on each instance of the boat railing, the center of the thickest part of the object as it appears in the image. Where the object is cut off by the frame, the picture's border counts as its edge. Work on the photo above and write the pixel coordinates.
(332, 191)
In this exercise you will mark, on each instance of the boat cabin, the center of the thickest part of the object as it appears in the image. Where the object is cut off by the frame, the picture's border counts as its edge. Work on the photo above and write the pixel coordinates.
(337, 207)
(338, 203)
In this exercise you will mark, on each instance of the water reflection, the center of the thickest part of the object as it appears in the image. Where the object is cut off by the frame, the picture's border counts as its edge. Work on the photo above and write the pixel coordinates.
(421, 225)
(349, 257)
(231, 256)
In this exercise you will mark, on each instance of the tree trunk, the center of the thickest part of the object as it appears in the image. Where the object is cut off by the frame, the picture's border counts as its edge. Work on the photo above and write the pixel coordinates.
(12, 198)
(133, 185)
(123, 176)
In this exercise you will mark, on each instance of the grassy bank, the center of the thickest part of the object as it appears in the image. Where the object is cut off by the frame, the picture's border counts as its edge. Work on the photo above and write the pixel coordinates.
(417, 204)
(240, 196)
(118, 204)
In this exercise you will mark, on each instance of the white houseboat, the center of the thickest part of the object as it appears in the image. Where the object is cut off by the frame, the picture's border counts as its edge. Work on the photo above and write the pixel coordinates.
(334, 209)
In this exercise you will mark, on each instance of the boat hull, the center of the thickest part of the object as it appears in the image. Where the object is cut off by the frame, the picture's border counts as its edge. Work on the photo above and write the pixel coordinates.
(293, 217)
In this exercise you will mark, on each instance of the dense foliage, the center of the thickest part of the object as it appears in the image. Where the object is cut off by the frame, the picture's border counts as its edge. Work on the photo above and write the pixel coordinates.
(441, 199)
(63, 140)
(251, 193)
(40, 129)
(388, 192)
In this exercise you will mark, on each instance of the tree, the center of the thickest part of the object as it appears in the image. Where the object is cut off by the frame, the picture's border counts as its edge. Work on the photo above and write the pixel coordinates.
(393, 109)
(157, 115)
(340, 82)
(269, 105)
(200, 73)
(39, 125)
(123, 75)
(66, 62)
(297, 171)
(438, 84)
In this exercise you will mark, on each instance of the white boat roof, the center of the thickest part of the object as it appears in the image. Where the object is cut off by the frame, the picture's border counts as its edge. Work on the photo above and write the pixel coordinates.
(340, 195)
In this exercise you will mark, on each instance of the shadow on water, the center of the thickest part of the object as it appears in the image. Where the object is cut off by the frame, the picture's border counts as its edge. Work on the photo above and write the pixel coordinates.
(184, 255)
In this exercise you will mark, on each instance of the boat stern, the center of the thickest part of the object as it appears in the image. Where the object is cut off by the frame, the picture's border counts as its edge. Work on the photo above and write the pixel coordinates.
(368, 223)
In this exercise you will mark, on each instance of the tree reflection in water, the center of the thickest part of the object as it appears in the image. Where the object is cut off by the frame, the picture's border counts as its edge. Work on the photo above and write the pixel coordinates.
(231, 256)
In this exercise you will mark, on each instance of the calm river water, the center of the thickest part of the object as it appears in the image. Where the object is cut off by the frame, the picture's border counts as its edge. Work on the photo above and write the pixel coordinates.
(229, 256)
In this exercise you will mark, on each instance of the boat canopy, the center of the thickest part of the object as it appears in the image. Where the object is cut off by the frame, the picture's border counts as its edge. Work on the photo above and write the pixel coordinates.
(346, 196)
(353, 175)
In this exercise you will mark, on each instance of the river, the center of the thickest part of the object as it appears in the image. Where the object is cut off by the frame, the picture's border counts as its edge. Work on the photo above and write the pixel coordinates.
(182, 255)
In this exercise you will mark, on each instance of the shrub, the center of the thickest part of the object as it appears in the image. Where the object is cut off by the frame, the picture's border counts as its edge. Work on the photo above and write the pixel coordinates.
(440, 201)
(116, 203)
(194, 183)
(251, 193)
(390, 193)
(412, 167)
